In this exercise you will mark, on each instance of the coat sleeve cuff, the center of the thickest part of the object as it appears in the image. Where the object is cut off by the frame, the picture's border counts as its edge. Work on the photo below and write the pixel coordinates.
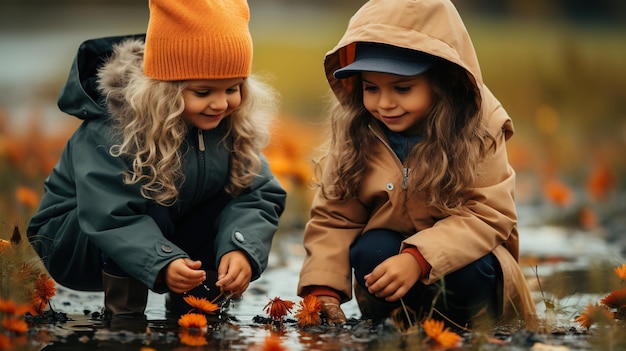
(321, 291)
(424, 265)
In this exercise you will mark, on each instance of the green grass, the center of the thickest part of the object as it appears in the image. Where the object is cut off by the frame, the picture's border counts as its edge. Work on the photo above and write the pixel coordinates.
(574, 74)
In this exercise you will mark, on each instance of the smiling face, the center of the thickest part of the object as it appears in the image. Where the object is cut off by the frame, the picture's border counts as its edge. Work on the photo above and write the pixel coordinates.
(208, 102)
(399, 102)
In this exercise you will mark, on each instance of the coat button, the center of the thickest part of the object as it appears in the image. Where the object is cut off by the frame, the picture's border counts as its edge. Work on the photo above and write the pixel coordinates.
(239, 237)
(389, 186)
(166, 248)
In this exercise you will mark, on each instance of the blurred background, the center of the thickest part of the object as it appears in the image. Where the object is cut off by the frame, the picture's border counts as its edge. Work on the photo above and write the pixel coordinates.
(558, 67)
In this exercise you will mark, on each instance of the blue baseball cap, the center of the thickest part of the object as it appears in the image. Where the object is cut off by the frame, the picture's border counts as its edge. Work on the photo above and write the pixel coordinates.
(383, 58)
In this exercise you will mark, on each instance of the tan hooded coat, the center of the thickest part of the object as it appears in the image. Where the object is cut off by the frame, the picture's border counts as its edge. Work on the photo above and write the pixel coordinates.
(446, 242)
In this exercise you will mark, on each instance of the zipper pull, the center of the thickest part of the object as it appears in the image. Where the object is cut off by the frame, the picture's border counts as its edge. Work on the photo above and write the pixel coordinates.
(200, 140)
(405, 178)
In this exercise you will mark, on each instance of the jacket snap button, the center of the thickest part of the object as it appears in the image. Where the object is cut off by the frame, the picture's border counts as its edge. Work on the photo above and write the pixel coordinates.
(389, 186)
(166, 248)
(239, 237)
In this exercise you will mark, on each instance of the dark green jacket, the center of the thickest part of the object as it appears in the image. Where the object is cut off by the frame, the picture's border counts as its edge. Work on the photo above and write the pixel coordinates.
(87, 210)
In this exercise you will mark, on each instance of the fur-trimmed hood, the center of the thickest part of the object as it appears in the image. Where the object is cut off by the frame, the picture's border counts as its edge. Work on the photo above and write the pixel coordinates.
(87, 209)
(122, 69)
(90, 83)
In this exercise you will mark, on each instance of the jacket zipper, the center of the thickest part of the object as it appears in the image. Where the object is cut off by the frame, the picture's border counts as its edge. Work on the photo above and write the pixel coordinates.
(201, 163)
(405, 169)
(405, 177)
(200, 140)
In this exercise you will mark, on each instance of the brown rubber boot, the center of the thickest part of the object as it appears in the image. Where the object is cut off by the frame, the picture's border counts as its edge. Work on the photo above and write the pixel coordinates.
(124, 298)
(370, 308)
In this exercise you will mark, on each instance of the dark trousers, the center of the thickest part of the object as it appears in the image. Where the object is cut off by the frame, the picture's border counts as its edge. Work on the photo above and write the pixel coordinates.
(459, 296)
(193, 232)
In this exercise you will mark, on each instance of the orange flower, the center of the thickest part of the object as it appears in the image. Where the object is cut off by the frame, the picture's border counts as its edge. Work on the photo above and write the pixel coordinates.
(201, 304)
(443, 337)
(588, 218)
(615, 299)
(14, 324)
(309, 311)
(27, 197)
(277, 308)
(193, 321)
(557, 192)
(38, 306)
(192, 339)
(600, 181)
(594, 314)
(273, 343)
(44, 291)
(621, 271)
(9, 307)
(5, 342)
(4, 244)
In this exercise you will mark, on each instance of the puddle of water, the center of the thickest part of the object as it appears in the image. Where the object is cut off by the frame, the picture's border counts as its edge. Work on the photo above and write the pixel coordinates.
(241, 332)
(568, 285)
(576, 272)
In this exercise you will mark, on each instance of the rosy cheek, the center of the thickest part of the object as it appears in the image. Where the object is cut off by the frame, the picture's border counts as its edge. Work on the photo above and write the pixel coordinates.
(369, 105)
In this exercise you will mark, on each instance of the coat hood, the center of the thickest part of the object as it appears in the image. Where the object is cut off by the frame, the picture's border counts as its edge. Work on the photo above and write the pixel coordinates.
(80, 96)
(431, 26)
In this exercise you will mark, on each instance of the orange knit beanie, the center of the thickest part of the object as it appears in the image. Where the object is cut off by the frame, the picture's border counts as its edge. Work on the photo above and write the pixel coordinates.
(198, 39)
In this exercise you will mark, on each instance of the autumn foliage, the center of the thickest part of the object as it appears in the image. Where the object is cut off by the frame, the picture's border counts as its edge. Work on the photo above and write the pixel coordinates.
(309, 311)
(610, 308)
(278, 308)
(437, 334)
(25, 288)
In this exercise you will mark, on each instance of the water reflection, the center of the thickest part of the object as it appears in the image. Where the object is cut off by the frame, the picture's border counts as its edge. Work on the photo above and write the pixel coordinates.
(563, 283)
(83, 333)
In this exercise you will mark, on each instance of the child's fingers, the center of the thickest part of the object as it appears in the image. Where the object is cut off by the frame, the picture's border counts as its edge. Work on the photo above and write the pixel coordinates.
(373, 277)
(180, 285)
(236, 281)
(192, 275)
(227, 278)
(192, 264)
(237, 286)
(234, 273)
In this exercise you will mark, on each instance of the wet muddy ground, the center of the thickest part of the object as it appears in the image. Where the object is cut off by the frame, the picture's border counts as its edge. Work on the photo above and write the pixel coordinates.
(567, 279)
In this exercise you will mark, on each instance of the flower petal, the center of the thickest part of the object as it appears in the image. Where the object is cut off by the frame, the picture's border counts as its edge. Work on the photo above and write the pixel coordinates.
(201, 304)
(193, 320)
(278, 308)
(621, 271)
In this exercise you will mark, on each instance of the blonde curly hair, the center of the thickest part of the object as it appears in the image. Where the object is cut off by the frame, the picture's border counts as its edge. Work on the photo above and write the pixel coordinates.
(150, 133)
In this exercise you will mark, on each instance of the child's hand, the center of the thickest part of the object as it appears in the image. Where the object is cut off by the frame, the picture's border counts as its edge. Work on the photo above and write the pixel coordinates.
(332, 310)
(393, 278)
(183, 274)
(234, 273)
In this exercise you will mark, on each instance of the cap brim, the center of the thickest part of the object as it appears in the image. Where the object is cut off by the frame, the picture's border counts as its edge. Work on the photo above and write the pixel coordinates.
(383, 65)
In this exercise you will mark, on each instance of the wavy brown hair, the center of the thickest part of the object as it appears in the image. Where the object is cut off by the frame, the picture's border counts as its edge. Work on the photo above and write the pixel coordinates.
(443, 166)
